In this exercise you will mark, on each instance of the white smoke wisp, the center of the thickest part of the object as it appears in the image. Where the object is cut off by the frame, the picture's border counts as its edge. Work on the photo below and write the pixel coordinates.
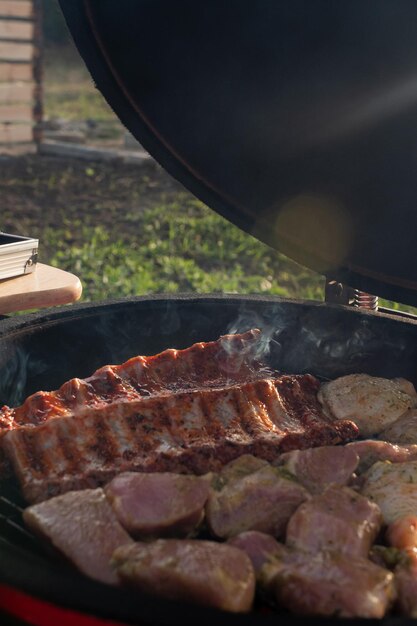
(256, 349)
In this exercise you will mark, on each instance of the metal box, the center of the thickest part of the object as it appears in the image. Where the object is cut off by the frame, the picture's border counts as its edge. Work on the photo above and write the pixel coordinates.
(18, 255)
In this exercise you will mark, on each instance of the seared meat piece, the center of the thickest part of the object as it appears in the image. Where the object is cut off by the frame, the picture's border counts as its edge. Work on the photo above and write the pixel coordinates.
(317, 468)
(262, 500)
(202, 572)
(403, 430)
(372, 403)
(324, 583)
(406, 583)
(393, 487)
(230, 359)
(339, 519)
(402, 533)
(187, 432)
(238, 469)
(83, 527)
(260, 548)
(327, 583)
(371, 451)
(161, 505)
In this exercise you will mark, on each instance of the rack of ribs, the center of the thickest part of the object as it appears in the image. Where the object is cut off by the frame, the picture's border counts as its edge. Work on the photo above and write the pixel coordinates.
(187, 411)
(230, 359)
(190, 431)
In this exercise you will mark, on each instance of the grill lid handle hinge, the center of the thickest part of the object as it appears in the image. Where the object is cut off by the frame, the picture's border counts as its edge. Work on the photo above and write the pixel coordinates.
(338, 293)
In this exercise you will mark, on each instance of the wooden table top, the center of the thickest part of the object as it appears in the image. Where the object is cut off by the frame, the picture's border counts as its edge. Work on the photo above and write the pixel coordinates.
(47, 286)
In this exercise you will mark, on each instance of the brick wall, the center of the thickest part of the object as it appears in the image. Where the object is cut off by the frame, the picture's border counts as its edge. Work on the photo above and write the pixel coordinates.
(20, 72)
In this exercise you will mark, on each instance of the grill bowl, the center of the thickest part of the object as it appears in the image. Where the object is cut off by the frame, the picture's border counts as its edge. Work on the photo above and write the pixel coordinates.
(42, 350)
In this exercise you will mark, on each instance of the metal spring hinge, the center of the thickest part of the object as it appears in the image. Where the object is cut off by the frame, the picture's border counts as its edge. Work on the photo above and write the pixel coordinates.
(338, 293)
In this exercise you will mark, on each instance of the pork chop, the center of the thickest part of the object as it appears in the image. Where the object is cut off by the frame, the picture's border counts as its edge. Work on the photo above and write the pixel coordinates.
(83, 527)
(372, 403)
(403, 430)
(393, 487)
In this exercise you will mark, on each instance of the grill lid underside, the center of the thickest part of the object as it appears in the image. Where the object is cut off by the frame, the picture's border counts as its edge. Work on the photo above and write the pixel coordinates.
(296, 120)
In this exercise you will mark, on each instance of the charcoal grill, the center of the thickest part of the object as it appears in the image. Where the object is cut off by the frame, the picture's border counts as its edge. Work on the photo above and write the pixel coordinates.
(40, 351)
(296, 121)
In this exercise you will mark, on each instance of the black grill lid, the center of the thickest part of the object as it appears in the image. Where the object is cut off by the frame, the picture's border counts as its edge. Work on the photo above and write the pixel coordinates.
(296, 120)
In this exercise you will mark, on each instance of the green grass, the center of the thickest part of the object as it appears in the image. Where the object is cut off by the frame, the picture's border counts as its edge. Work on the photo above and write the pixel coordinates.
(134, 231)
(180, 246)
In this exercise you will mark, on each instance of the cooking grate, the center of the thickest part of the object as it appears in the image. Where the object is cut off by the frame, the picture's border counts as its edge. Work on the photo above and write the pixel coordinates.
(12, 527)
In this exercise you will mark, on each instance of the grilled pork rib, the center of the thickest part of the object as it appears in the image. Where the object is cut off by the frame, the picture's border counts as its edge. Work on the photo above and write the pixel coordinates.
(187, 432)
(231, 359)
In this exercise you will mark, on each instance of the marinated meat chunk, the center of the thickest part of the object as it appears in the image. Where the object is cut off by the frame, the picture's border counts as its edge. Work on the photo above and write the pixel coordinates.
(260, 548)
(238, 469)
(186, 432)
(340, 519)
(371, 451)
(402, 533)
(83, 527)
(161, 504)
(317, 468)
(328, 584)
(322, 583)
(406, 584)
(202, 572)
(371, 403)
(262, 500)
(403, 430)
(393, 487)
